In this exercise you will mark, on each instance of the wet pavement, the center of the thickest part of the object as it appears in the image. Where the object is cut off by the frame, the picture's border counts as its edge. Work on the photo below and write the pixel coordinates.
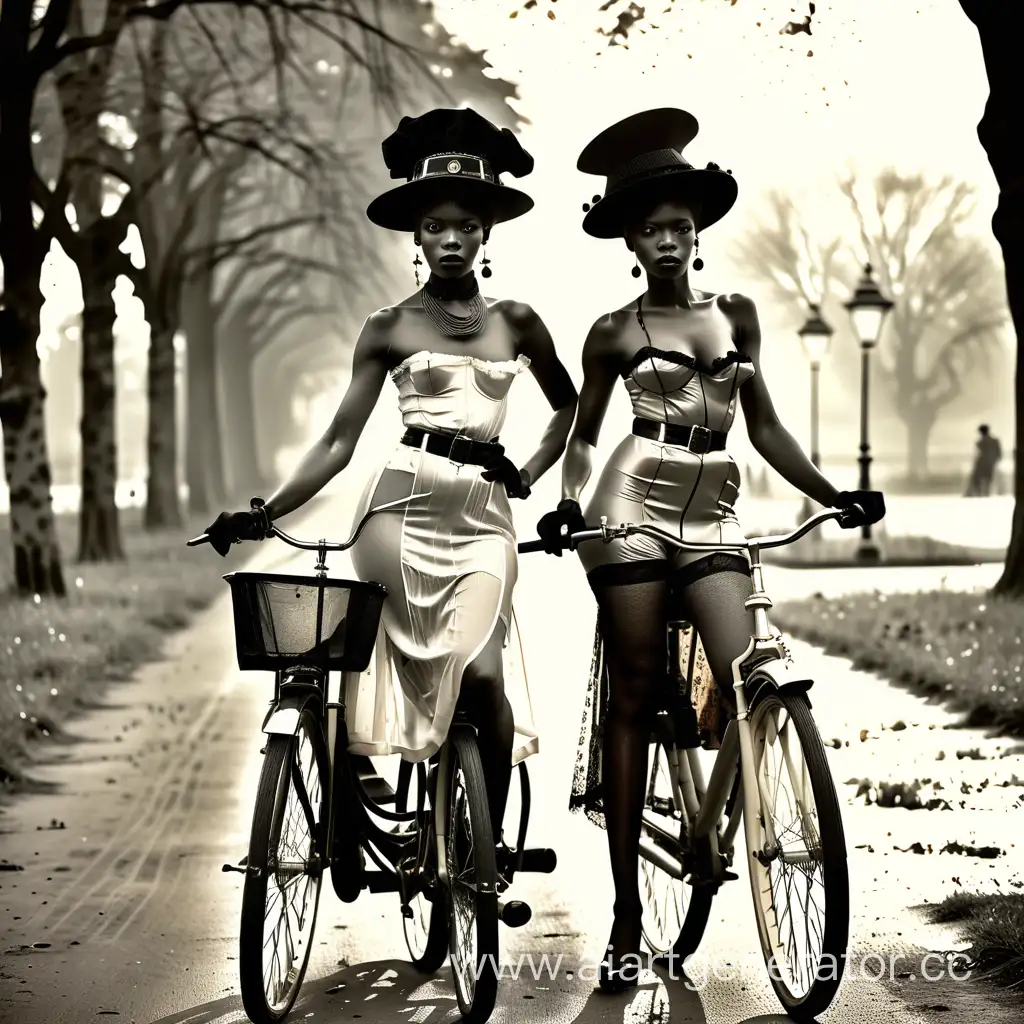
(122, 912)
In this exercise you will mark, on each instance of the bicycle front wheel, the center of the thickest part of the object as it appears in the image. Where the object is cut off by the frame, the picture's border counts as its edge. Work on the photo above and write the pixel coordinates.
(798, 872)
(472, 873)
(284, 872)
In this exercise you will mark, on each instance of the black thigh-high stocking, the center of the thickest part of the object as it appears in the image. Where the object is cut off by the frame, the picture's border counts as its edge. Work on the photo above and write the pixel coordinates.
(632, 622)
(710, 594)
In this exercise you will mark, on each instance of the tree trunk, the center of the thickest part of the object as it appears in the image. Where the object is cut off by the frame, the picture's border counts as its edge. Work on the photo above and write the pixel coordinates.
(242, 462)
(99, 535)
(919, 431)
(163, 500)
(37, 561)
(204, 462)
(1000, 28)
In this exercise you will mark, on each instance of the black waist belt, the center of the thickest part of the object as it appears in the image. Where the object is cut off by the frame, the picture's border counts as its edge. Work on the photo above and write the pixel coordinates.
(699, 440)
(463, 450)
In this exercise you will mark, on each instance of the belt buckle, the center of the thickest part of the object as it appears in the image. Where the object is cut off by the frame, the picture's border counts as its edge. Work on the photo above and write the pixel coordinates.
(455, 441)
(704, 446)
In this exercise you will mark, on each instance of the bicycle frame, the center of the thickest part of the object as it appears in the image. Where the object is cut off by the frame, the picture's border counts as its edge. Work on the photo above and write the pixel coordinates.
(761, 663)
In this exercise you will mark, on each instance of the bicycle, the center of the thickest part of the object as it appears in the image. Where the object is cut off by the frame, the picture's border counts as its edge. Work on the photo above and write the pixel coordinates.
(683, 838)
(316, 803)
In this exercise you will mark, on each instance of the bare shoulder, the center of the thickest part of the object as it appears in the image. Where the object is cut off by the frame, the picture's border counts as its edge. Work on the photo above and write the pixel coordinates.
(606, 342)
(520, 315)
(738, 307)
(378, 329)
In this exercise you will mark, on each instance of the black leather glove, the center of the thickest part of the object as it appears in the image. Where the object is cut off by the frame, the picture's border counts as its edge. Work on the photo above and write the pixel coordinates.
(503, 470)
(549, 527)
(229, 527)
(873, 503)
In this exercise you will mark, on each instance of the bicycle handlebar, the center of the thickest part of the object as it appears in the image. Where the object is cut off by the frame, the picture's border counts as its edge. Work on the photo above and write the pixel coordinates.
(323, 545)
(851, 516)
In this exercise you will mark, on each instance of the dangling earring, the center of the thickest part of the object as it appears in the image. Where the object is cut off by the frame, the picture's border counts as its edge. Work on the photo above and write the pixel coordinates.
(636, 267)
(416, 264)
(698, 263)
(485, 270)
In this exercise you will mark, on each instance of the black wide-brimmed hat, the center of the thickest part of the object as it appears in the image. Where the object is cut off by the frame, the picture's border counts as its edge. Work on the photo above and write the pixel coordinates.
(644, 154)
(455, 151)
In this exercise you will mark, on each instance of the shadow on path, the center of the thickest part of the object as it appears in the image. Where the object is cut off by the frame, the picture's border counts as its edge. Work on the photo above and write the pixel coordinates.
(388, 990)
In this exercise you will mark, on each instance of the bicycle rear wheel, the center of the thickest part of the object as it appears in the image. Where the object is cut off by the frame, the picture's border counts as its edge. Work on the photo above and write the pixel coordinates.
(284, 873)
(471, 890)
(798, 873)
(675, 912)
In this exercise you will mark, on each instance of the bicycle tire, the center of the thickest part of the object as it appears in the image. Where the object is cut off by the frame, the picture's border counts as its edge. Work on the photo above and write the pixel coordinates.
(276, 782)
(698, 906)
(835, 881)
(435, 949)
(477, 1004)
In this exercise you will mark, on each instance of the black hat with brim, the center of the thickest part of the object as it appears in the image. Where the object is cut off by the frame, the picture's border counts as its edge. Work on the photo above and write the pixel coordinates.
(641, 156)
(451, 153)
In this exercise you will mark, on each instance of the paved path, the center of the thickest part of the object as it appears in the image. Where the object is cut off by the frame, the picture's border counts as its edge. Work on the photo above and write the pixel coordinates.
(133, 917)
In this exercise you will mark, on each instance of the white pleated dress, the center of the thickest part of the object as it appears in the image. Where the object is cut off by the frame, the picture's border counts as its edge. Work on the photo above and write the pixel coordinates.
(448, 561)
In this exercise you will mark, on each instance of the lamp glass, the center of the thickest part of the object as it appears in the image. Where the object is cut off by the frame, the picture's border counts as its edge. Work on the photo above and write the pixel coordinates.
(816, 347)
(867, 322)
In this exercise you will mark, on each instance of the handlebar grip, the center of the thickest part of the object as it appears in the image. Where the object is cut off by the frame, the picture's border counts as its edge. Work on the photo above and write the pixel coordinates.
(529, 546)
(853, 515)
(203, 538)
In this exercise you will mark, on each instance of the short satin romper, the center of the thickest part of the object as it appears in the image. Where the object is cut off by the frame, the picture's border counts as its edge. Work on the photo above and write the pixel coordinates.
(690, 495)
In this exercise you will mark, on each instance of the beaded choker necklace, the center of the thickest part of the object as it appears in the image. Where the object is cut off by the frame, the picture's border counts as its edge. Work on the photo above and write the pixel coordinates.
(465, 288)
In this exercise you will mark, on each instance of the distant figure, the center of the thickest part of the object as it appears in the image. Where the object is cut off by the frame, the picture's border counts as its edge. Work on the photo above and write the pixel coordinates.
(990, 451)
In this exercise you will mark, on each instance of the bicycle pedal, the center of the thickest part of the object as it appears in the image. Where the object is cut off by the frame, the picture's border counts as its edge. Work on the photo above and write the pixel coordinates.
(234, 867)
(514, 913)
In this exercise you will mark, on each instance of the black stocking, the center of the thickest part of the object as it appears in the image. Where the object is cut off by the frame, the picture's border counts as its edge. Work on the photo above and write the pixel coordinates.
(632, 624)
(710, 595)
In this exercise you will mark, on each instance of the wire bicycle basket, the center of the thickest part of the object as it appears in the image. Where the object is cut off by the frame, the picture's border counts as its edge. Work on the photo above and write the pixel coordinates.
(283, 621)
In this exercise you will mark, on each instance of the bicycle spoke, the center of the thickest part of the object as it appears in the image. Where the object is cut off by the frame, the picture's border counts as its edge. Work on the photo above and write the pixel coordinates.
(792, 864)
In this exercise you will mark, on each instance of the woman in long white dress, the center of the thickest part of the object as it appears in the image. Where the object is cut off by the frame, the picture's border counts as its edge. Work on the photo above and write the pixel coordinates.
(449, 560)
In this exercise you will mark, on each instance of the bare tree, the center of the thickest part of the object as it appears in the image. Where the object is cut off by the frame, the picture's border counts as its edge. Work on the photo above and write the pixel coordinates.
(949, 304)
(949, 308)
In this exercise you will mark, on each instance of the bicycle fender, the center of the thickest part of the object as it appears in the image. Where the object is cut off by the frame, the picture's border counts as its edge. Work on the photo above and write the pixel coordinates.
(779, 677)
(284, 719)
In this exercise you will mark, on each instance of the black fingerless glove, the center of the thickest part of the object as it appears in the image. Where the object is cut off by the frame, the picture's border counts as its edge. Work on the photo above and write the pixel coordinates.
(230, 527)
(873, 503)
(549, 528)
(503, 470)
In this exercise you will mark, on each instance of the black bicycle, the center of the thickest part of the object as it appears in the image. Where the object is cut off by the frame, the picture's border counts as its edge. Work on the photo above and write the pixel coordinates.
(319, 807)
(770, 774)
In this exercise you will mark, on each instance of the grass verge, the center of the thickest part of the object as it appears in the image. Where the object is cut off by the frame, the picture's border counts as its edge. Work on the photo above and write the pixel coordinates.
(56, 656)
(816, 552)
(993, 924)
(961, 648)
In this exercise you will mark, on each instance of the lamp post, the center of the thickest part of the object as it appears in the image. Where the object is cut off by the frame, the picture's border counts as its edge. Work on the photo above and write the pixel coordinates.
(867, 307)
(815, 335)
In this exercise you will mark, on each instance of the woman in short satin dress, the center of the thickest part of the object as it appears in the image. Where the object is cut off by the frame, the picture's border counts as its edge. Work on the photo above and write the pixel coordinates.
(688, 359)
(448, 559)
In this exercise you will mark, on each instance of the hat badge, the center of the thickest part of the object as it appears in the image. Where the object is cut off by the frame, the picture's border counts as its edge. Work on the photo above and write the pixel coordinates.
(454, 166)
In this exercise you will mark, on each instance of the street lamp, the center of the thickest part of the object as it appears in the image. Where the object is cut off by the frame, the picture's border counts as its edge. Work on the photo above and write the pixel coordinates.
(816, 336)
(867, 307)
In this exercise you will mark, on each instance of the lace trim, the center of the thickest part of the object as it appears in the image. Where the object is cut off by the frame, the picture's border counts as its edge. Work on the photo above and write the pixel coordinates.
(494, 367)
(684, 359)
